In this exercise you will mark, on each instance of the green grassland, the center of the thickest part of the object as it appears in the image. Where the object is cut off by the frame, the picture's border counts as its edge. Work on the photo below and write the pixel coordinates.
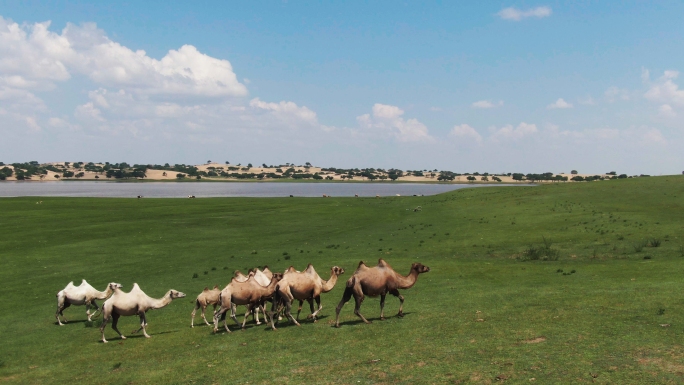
(489, 310)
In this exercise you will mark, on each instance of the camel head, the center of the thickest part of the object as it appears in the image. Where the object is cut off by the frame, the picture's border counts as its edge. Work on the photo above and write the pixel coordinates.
(420, 268)
(113, 286)
(277, 277)
(336, 270)
(176, 294)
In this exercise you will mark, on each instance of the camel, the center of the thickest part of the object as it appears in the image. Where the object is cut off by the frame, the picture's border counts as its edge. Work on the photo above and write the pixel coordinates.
(83, 294)
(379, 280)
(305, 286)
(249, 293)
(204, 299)
(135, 302)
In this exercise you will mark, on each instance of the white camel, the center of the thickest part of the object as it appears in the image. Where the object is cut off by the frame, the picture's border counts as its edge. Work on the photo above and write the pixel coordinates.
(135, 302)
(83, 294)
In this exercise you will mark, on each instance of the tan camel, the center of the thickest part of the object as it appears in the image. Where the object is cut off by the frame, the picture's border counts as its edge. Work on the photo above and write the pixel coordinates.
(264, 278)
(135, 302)
(249, 293)
(304, 286)
(379, 280)
(83, 294)
(204, 299)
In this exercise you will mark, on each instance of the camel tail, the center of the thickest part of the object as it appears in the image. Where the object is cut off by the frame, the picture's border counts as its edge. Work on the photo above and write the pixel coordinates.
(197, 304)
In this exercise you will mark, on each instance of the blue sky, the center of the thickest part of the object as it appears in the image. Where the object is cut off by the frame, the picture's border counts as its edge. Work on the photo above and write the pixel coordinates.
(476, 86)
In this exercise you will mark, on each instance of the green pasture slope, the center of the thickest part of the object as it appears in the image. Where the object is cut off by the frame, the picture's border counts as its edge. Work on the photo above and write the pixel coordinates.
(484, 314)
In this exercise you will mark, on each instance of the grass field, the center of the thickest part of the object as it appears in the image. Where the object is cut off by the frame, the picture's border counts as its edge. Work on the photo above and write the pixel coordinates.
(487, 312)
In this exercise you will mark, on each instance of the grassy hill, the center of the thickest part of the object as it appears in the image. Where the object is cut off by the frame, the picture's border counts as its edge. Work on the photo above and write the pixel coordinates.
(561, 283)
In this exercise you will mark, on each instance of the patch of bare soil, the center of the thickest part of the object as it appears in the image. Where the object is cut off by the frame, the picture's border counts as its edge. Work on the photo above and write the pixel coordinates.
(534, 340)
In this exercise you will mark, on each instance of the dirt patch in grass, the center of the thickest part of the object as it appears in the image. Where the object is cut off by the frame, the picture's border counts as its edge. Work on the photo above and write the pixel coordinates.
(535, 340)
(667, 366)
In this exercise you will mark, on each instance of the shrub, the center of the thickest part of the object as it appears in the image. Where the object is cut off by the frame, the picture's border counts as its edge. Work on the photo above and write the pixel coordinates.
(195, 275)
(541, 253)
(206, 272)
(287, 257)
(639, 246)
(654, 242)
(213, 268)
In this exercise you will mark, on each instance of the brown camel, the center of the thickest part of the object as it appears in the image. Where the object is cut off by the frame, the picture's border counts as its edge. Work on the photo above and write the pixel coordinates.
(135, 302)
(205, 298)
(249, 293)
(304, 286)
(83, 294)
(379, 280)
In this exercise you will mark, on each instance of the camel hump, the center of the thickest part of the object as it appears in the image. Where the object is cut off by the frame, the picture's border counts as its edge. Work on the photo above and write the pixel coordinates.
(216, 286)
(382, 263)
(310, 269)
(361, 263)
(206, 289)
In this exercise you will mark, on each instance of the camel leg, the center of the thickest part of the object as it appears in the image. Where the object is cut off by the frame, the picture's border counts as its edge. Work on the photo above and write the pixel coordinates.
(62, 304)
(345, 298)
(115, 321)
(395, 293)
(274, 308)
(244, 320)
(94, 304)
(299, 309)
(311, 306)
(382, 306)
(222, 315)
(192, 315)
(255, 316)
(358, 297)
(315, 314)
(102, 328)
(204, 308)
(288, 309)
(143, 323)
(233, 311)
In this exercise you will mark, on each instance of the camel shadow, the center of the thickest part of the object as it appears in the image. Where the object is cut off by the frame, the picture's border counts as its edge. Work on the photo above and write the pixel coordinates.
(73, 322)
(139, 335)
(286, 323)
(372, 319)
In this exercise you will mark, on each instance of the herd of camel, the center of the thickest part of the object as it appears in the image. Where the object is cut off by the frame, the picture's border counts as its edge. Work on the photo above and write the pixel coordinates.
(253, 291)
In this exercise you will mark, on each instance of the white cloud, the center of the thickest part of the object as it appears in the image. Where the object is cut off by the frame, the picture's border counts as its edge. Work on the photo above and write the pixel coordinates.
(466, 132)
(559, 104)
(666, 110)
(509, 132)
(286, 111)
(664, 90)
(486, 104)
(31, 56)
(387, 120)
(436, 109)
(515, 14)
(614, 93)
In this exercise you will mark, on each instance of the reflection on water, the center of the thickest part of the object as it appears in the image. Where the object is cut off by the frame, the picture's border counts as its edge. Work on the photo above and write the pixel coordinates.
(220, 189)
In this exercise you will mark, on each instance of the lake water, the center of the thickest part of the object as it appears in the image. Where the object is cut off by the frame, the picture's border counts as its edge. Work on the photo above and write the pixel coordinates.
(220, 189)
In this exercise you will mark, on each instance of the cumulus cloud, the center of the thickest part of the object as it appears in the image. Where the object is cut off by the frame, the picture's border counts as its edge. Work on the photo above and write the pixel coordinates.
(509, 132)
(386, 120)
(486, 104)
(665, 90)
(515, 14)
(559, 104)
(31, 56)
(465, 132)
(286, 111)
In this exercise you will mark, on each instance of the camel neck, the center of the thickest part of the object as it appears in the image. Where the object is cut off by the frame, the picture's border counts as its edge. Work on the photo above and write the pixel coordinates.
(408, 281)
(329, 284)
(160, 302)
